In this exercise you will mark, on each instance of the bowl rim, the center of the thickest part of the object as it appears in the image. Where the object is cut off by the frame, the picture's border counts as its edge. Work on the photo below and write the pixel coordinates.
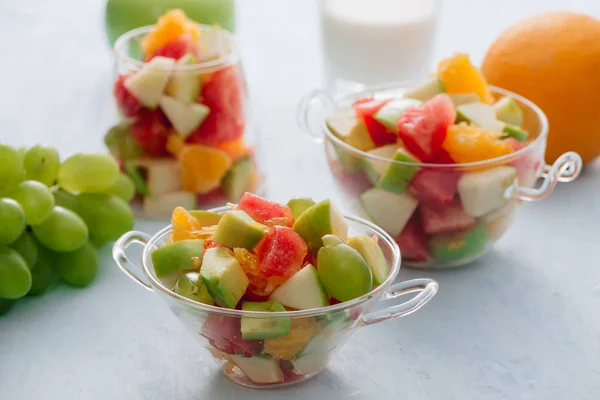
(544, 127)
(313, 312)
(231, 58)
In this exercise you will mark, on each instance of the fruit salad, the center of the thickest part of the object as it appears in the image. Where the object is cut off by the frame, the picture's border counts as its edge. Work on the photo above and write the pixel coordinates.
(265, 257)
(183, 136)
(433, 165)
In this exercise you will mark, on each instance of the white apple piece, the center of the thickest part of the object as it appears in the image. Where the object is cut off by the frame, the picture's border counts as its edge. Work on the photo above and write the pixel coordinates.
(302, 291)
(163, 205)
(390, 211)
(150, 82)
(483, 191)
(184, 117)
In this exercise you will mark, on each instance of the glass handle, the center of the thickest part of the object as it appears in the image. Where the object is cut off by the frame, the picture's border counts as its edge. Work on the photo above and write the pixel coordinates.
(123, 261)
(565, 169)
(305, 113)
(426, 289)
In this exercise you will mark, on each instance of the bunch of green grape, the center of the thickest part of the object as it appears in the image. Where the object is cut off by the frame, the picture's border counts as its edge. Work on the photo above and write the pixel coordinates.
(52, 214)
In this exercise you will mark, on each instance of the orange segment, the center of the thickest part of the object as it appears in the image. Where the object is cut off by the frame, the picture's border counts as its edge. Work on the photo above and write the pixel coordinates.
(169, 27)
(260, 284)
(174, 144)
(183, 225)
(288, 346)
(458, 75)
(235, 148)
(469, 143)
(202, 167)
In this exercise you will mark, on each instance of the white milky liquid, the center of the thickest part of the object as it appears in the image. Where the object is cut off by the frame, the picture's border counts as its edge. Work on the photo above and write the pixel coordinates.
(378, 41)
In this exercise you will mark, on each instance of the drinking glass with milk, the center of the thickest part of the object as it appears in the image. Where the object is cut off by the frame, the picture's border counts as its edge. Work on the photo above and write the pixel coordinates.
(370, 42)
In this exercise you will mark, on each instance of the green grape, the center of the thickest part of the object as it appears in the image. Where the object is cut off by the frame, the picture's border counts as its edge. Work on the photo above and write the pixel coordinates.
(43, 273)
(123, 188)
(107, 216)
(27, 247)
(62, 231)
(21, 151)
(12, 221)
(5, 305)
(121, 144)
(79, 267)
(15, 277)
(67, 200)
(41, 164)
(11, 169)
(88, 173)
(36, 199)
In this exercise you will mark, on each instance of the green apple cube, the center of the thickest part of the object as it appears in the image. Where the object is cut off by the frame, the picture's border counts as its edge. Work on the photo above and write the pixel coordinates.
(459, 246)
(223, 276)
(206, 218)
(185, 83)
(372, 253)
(396, 177)
(254, 328)
(374, 167)
(184, 255)
(299, 205)
(482, 115)
(426, 91)
(348, 128)
(184, 117)
(238, 229)
(302, 291)
(515, 132)
(389, 114)
(192, 286)
(314, 357)
(344, 273)
(238, 179)
(483, 191)
(507, 110)
(319, 220)
(149, 83)
(459, 99)
(259, 369)
(389, 210)
(163, 204)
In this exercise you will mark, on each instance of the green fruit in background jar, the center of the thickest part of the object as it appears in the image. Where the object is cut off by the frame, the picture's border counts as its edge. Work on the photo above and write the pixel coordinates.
(122, 16)
(344, 273)
(15, 277)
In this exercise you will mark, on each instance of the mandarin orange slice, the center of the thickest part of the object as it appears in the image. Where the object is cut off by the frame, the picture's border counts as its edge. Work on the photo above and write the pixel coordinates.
(169, 27)
(202, 168)
(458, 75)
(469, 143)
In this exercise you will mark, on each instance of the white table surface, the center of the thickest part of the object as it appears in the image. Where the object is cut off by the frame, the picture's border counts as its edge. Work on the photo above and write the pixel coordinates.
(520, 324)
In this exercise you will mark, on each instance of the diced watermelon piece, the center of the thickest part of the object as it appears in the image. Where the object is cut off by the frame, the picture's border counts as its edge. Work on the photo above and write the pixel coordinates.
(176, 49)
(443, 158)
(225, 334)
(434, 187)
(281, 252)
(127, 103)
(150, 131)
(423, 128)
(413, 241)
(451, 218)
(365, 109)
(263, 210)
(224, 94)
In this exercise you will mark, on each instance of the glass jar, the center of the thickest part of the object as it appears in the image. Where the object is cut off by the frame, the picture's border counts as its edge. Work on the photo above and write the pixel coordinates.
(413, 217)
(184, 134)
(122, 16)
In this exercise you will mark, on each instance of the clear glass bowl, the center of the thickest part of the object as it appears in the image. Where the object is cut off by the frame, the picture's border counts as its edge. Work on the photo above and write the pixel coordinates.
(470, 239)
(316, 334)
(146, 140)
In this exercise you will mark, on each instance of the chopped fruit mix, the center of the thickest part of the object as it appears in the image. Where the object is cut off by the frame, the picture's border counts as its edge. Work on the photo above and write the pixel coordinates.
(175, 109)
(395, 174)
(242, 260)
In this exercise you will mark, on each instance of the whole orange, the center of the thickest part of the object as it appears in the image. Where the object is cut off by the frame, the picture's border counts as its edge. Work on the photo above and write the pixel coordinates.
(553, 59)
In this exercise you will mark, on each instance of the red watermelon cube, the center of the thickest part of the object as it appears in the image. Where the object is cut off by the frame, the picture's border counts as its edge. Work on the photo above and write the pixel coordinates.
(263, 210)
(434, 187)
(423, 128)
(450, 218)
(413, 241)
(127, 103)
(281, 252)
(176, 49)
(365, 109)
(224, 333)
